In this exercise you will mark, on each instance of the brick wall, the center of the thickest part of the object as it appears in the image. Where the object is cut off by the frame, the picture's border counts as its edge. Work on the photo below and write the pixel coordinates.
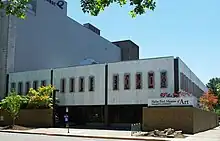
(30, 118)
(188, 119)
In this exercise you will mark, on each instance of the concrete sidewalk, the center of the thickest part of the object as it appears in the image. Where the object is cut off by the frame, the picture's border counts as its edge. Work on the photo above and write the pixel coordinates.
(86, 133)
(211, 135)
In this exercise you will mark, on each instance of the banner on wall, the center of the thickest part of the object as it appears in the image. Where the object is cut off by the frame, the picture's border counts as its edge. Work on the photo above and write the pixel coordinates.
(179, 101)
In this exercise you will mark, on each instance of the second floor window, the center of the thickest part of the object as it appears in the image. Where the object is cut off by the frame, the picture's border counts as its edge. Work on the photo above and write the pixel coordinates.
(181, 81)
(186, 84)
(138, 81)
(190, 86)
(127, 81)
(115, 82)
(150, 80)
(163, 79)
(20, 87)
(81, 84)
(43, 83)
(27, 87)
(62, 85)
(72, 84)
(35, 85)
(13, 86)
(91, 83)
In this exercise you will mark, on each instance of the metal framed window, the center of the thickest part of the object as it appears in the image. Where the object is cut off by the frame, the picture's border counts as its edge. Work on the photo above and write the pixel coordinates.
(27, 87)
(43, 83)
(115, 82)
(91, 83)
(138, 80)
(127, 82)
(20, 87)
(63, 85)
(181, 81)
(81, 84)
(13, 86)
(163, 79)
(72, 84)
(35, 85)
(151, 78)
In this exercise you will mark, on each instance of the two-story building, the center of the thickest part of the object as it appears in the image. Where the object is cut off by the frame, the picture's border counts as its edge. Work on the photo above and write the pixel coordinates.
(112, 93)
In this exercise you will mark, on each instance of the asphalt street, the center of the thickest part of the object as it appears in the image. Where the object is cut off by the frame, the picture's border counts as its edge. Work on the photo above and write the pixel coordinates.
(28, 137)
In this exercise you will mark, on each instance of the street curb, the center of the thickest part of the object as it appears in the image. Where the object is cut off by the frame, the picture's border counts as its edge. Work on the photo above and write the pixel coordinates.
(86, 136)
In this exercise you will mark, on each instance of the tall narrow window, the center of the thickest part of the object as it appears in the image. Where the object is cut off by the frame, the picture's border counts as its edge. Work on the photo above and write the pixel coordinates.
(35, 84)
(91, 83)
(163, 79)
(72, 84)
(81, 84)
(115, 82)
(62, 85)
(138, 80)
(13, 86)
(20, 87)
(150, 80)
(190, 86)
(181, 81)
(127, 81)
(43, 83)
(193, 87)
(27, 87)
(186, 84)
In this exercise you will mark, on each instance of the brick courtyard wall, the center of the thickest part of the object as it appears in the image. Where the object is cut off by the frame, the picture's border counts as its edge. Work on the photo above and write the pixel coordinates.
(188, 119)
(30, 118)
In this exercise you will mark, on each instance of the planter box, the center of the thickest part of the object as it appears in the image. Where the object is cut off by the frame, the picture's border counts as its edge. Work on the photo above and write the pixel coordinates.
(29, 118)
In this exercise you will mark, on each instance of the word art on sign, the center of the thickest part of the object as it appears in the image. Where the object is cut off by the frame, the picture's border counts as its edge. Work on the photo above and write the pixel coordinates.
(59, 3)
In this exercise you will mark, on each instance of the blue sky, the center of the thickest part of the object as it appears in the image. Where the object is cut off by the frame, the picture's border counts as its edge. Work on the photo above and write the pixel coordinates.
(189, 29)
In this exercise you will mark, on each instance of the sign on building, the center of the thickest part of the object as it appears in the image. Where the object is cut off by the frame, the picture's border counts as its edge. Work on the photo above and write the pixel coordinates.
(59, 3)
(180, 101)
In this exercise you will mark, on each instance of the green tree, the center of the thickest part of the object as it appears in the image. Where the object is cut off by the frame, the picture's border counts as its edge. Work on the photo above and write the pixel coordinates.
(94, 7)
(218, 87)
(12, 105)
(14, 7)
(213, 86)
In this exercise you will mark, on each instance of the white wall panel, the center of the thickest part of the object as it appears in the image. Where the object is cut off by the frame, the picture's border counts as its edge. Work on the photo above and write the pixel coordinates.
(134, 96)
(29, 76)
(97, 97)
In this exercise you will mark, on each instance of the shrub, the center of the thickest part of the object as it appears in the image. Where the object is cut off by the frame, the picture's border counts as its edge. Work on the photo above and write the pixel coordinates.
(208, 101)
(217, 111)
(40, 98)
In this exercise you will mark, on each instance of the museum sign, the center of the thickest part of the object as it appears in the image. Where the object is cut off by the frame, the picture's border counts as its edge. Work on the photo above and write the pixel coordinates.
(183, 101)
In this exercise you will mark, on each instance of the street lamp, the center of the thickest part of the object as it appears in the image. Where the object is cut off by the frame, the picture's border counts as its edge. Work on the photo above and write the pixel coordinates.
(54, 106)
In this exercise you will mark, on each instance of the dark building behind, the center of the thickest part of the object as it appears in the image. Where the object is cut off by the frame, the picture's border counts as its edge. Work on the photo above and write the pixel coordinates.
(129, 50)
